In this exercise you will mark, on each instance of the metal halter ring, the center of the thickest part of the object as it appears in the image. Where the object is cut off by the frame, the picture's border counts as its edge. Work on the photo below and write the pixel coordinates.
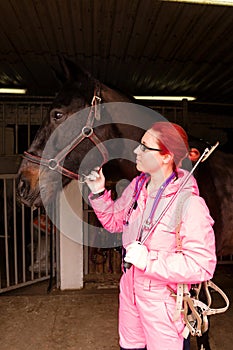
(52, 164)
(87, 131)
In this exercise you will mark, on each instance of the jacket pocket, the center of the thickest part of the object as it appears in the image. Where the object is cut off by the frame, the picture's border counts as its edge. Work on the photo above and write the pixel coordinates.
(170, 310)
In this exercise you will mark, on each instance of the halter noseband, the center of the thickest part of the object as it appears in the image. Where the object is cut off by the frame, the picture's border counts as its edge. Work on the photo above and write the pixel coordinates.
(86, 132)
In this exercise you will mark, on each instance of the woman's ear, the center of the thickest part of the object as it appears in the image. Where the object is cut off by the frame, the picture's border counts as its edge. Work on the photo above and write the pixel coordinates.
(168, 157)
(194, 154)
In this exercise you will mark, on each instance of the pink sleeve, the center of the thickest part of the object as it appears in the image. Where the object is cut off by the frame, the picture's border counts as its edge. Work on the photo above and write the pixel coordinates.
(111, 213)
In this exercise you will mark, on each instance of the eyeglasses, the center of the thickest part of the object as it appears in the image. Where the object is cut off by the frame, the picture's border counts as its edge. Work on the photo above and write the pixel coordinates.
(143, 148)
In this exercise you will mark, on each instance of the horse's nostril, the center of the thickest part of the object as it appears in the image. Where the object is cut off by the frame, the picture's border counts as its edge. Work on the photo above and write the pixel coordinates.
(22, 187)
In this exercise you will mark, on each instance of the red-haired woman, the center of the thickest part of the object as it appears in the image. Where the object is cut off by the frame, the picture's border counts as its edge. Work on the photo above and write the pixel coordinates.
(147, 308)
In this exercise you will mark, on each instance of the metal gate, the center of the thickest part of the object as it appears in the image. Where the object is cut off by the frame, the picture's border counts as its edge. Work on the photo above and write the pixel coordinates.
(28, 241)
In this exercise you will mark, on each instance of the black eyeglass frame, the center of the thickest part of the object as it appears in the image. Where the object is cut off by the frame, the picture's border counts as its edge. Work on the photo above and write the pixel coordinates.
(143, 148)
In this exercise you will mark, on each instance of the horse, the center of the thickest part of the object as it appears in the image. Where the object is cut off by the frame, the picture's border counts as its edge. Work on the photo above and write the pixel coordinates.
(88, 121)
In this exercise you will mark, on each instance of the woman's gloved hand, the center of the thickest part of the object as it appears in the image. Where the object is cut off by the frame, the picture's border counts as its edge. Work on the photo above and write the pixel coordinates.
(96, 181)
(136, 254)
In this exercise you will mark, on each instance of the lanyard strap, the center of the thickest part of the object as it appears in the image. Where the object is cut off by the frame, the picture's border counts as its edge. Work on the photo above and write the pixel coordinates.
(147, 224)
(159, 194)
(137, 190)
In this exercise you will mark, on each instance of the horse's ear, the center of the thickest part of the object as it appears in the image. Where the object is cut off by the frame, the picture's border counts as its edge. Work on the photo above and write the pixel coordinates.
(73, 71)
(63, 74)
(70, 71)
(68, 68)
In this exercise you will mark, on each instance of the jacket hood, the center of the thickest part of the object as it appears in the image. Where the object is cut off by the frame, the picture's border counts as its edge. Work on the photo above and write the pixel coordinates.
(190, 184)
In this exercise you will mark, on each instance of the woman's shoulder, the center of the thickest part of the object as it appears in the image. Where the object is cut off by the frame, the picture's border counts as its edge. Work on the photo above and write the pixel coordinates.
(189, 181)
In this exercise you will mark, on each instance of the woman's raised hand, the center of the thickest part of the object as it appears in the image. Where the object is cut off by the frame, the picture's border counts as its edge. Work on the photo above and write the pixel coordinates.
(96, 180)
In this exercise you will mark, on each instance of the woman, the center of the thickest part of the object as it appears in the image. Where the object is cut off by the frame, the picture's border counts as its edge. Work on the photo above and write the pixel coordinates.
(147, 307)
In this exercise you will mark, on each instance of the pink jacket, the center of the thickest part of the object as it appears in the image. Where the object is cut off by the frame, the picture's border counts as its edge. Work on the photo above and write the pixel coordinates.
(165, 266)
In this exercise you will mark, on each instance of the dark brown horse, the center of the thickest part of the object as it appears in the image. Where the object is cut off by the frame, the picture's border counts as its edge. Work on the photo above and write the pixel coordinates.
(89, 125)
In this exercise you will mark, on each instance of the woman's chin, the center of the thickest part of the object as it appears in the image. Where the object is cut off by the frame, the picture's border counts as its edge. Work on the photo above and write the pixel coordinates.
(138, 167)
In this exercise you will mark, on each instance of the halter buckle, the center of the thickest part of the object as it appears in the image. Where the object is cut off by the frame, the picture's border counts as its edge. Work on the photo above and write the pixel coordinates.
(87, 131)
(52, 164)
(95, 97)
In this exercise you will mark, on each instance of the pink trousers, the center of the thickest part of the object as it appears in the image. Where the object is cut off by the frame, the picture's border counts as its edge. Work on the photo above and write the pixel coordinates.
(145, 317)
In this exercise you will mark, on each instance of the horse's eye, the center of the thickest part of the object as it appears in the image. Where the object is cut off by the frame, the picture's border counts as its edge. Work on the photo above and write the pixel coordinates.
(57, 115)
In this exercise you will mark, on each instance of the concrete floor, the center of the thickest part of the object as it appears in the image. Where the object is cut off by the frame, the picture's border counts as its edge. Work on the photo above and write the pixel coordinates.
(32, 319)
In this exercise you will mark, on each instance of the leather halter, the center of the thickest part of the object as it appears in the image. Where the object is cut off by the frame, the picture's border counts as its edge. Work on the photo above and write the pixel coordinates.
(86, 132)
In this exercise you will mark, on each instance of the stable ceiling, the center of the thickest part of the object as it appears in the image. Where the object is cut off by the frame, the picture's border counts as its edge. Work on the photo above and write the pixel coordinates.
(143, 47)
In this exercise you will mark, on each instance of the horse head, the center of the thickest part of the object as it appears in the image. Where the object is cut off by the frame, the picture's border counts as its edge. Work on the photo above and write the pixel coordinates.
(69, 142)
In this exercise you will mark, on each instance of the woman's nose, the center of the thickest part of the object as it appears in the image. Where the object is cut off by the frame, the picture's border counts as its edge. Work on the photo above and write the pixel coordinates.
(137, 149)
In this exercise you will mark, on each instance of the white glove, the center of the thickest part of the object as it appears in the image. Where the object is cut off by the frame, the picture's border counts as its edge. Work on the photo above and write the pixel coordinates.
(136, 254)
(96, 181)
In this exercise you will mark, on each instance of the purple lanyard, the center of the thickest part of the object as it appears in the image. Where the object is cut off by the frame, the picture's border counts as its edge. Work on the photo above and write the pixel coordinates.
(147, 224)
(137, 190)
(158, 196)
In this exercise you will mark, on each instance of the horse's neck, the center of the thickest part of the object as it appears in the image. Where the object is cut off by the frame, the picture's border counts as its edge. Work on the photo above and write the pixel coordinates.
(110, 95)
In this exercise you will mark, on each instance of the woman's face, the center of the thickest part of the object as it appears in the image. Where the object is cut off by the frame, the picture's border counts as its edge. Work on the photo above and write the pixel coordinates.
(149, 161)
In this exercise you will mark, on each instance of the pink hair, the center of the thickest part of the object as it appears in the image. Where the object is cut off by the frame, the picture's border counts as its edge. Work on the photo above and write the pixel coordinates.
(172, 139)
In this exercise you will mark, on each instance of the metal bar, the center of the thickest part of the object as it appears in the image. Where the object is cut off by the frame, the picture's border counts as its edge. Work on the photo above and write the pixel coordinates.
(8, 176)
(6, 234)
(15, 233)
(38, 258)
(28, 283)
(32, 245)
(224, 260)
(3, 129)
(0, 270)
(17, 130)
(58, 270)
(46, 245)
(33, 99)
(23, 243)
(29, 125)
(86, 211)
(57, 248)
(41, 113)
(51, 244)
(53, 232)
(212, 104)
